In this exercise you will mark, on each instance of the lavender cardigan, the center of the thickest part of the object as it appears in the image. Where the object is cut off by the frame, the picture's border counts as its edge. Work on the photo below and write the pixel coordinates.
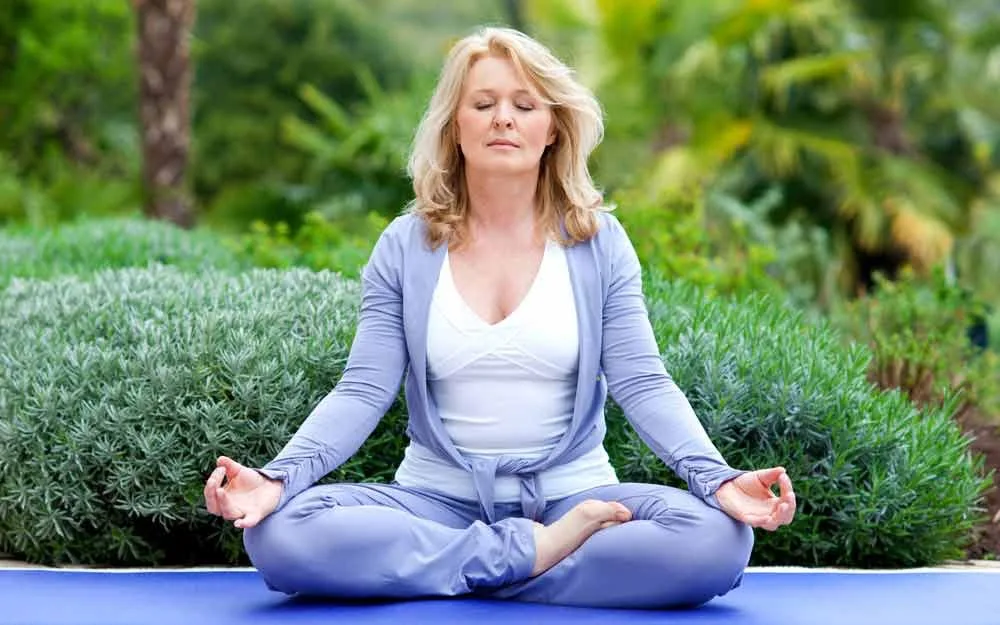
(618, 353)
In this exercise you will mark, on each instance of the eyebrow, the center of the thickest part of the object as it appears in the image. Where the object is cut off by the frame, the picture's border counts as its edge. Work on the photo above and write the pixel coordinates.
(493, 92)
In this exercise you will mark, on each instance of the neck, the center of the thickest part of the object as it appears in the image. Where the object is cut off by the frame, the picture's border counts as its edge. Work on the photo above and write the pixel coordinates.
(502, 203)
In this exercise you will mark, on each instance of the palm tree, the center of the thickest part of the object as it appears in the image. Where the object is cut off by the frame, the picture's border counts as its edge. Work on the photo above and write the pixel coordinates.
(164, 27)
(833, 102)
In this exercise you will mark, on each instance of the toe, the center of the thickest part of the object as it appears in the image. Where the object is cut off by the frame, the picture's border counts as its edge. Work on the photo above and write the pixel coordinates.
(622, 513)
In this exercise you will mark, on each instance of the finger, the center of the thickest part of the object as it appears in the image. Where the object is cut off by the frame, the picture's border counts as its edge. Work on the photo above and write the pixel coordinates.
(250, 519)
(784, 514)
(766, 522)
(787, 492)
(230, 511)
(768, 477)
(231, 466)
(755, 520)
(211, 485)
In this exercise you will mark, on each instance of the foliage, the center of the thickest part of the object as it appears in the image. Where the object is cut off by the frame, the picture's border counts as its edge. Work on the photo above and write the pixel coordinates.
(876, 125)
(921, 333)
(123, 387)
(92, 245)
(67, 134)
(711, 239)
(358, 161)
(126, 385)
(67, 85)
(343, 246)
(63, 192)
(252, 60)
(880, 483)
(676, 239)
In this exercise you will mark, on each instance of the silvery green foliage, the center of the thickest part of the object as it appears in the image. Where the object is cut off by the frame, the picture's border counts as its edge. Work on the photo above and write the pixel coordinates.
(120, 390)
(112, 242)
(879, 482)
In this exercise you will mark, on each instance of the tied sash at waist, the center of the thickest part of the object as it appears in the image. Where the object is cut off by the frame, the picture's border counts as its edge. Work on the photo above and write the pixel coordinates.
(486, 469)
(484, 474)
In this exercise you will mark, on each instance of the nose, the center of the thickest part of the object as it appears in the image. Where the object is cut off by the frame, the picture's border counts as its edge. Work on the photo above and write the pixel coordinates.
(503, 118)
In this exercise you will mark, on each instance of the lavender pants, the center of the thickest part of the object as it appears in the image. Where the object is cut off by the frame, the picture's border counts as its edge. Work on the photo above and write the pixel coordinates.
(390, 541)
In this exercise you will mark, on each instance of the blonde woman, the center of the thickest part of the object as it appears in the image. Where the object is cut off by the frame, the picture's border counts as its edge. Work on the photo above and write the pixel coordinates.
(511, 302)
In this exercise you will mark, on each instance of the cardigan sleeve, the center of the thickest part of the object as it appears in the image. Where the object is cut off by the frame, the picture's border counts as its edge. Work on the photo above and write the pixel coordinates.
(342, 421)
(639, 382)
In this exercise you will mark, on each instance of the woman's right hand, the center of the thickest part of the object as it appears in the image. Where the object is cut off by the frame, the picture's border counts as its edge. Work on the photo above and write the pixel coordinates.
(246, 498)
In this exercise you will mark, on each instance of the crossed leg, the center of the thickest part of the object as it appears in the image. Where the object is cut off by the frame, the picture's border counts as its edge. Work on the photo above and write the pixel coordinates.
(378, 540)
(381, 540)
(676, 551)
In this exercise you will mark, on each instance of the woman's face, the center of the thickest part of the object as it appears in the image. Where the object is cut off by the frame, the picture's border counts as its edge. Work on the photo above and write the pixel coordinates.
(503, 125)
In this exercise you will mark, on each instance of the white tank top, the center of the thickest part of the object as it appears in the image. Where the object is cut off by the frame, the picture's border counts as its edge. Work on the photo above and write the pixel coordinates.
(506, 388)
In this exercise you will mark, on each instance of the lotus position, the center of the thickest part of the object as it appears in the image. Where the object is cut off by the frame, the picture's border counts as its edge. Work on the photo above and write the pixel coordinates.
(509, 300)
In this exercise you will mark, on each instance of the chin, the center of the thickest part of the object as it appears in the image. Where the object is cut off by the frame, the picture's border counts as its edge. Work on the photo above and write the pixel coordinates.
(505, 166)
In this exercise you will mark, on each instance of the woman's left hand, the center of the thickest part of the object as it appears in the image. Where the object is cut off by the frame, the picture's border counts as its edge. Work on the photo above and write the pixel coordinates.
(748, 498)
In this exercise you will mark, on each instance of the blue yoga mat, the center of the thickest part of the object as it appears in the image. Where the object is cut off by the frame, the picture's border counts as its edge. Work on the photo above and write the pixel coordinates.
(49, 597)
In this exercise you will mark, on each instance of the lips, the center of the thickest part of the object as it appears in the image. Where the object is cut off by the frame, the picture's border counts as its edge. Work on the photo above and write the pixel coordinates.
(506, 142)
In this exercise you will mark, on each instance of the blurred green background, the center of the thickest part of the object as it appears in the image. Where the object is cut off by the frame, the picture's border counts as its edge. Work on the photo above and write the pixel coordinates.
(839, 157)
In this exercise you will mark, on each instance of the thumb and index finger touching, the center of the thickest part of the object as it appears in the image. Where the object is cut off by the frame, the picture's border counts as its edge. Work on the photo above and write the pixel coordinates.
(231, 467)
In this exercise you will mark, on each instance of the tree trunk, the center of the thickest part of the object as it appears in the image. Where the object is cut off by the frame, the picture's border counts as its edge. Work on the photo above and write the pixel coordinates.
(164, 27)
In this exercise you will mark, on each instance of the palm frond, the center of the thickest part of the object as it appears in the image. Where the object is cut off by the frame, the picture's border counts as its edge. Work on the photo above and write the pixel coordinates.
(780, 148)
(926, 240)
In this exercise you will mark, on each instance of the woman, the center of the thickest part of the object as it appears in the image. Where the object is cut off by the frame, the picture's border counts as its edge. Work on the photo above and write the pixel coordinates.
(512, 303)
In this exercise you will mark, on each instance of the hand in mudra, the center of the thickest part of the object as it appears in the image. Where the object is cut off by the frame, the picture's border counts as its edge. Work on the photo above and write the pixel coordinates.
(748, 498)
(246, 498)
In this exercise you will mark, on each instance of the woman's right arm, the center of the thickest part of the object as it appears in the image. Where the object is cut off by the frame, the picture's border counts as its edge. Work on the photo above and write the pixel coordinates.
(340, 423)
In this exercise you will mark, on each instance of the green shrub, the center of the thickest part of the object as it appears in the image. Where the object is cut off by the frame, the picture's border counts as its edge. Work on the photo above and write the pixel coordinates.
(252, 58)
(343, 247)
(879, 481)
(123, 389)
(68, 138)
(673, 236)
(711, 238)
(89, 245)
(67, 82)
(919, 331)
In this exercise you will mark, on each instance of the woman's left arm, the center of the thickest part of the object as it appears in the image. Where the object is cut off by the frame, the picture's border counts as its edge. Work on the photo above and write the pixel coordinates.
(639, 382)
(661, 414)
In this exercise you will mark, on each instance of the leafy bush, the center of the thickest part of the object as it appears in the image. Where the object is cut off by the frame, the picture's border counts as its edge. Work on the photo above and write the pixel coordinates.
(90, 245)
(318, 244)
(125, 386)
(879, 481)
(358, 159)
(67, 80)
(920, 330)
(672, 236)
(252, 58)
(711, 238)
(68, 143)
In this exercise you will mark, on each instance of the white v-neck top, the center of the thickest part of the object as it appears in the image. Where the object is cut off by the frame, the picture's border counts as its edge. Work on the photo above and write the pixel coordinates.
(506, 388)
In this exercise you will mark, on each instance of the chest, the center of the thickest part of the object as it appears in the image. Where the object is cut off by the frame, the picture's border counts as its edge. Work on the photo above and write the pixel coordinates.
(539, 338)
(493, 282)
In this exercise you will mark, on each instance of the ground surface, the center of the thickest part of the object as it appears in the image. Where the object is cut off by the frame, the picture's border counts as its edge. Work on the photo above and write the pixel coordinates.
(987, 443)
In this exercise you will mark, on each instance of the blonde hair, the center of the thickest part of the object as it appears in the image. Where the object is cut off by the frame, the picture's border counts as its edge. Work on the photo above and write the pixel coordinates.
(566, 192)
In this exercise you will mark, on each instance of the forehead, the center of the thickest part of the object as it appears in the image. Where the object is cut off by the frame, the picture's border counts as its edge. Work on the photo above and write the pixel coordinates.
(497, 74)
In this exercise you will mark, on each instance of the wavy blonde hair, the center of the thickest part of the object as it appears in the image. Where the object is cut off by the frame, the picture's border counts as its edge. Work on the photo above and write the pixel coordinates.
(567, 196)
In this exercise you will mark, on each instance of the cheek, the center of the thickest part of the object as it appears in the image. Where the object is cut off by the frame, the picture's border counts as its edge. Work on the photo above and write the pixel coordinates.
(539, 129)
(470, 124)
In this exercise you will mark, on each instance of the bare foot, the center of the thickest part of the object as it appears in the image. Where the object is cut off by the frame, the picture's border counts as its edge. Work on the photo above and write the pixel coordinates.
(556, 541)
